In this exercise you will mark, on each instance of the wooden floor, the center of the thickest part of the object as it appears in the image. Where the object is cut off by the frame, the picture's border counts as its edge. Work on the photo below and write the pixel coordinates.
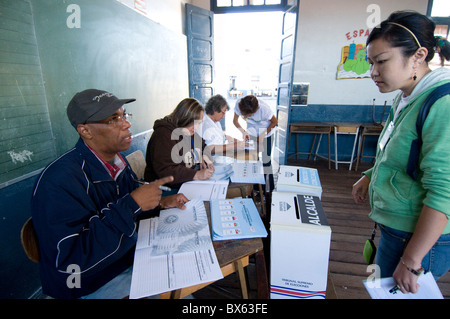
(350, 227)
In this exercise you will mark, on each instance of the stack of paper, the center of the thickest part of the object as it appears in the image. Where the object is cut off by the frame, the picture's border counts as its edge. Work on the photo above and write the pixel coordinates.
(174, 251)
(297, 179)
(251, 172)
(207, 190)
(236, 218)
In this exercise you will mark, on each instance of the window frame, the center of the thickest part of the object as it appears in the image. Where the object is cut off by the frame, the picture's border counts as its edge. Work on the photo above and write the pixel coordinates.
(438, 20)
(248, 8)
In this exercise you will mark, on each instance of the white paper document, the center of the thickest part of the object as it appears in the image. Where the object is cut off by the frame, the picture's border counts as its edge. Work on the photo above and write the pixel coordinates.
(207, 190)
(251, 172)
(174, 251)
(383, 289)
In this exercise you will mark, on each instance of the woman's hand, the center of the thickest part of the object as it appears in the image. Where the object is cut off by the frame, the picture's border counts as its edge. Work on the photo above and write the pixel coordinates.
(360, 188)
(206, 169)
(204, 174)
(405, 279)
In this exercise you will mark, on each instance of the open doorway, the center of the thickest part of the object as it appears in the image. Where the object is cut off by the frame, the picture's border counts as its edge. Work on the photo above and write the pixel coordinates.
(247, 58)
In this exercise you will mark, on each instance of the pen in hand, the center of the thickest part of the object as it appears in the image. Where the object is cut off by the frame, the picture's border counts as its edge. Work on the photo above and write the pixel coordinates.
(161, 187)
(394, 289)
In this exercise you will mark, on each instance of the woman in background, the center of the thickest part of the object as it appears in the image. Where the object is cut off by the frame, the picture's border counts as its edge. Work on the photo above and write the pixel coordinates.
(176, 150)
(211, 129)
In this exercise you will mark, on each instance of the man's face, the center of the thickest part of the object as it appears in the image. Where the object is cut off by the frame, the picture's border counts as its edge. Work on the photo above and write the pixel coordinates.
(110, 136)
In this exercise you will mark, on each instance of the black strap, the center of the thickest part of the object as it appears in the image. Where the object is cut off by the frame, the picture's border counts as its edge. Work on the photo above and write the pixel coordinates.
(374, 231)
(413, 162)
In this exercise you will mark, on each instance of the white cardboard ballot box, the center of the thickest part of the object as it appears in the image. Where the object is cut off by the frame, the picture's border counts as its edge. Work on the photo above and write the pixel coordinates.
(299, 248)
(298, 179)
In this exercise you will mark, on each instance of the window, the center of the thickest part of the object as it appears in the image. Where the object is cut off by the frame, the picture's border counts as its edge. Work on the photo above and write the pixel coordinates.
(233, 6)
(439, 11)
(439, 8)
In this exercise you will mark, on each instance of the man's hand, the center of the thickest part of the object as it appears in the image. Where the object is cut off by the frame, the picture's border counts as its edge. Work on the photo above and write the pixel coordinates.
(148, 196)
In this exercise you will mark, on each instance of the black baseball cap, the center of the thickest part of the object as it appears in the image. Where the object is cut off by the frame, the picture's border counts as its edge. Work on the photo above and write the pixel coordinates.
(93, 105)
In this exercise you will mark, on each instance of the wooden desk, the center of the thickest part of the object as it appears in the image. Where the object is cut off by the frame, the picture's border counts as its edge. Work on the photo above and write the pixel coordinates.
(233, 256)
(319, 128)
(315, 128)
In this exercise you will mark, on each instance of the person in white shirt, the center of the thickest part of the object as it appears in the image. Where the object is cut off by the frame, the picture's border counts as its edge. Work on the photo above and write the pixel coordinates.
(261, 122)
(211, 129)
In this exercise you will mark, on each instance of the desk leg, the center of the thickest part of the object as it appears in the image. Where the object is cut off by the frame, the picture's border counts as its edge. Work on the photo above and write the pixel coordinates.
(354, 146)
(263, 204)
(242, 278)
(262, 281)
(317, 148)
(335, 149)
(329, 159)
(176, 294)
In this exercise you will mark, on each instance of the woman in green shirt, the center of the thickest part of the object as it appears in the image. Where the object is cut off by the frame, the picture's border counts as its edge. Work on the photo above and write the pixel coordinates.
(412, 214)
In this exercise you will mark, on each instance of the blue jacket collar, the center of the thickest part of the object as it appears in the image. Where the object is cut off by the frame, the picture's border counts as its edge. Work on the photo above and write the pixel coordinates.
(92, 164)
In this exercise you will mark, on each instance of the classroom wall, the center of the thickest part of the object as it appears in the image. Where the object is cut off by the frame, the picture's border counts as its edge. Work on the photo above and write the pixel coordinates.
(115, 48)
(122, 50)
(324, 28)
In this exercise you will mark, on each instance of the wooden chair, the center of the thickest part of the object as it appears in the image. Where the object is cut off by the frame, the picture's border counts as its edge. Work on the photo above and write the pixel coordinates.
(137, 163)
(29, 241)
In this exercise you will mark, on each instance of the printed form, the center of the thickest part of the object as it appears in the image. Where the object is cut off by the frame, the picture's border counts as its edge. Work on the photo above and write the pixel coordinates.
(174, 251)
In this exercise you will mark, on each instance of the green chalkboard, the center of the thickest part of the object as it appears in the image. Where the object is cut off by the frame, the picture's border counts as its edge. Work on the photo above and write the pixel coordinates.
(26, 142)
(44, 61)
(115, 49)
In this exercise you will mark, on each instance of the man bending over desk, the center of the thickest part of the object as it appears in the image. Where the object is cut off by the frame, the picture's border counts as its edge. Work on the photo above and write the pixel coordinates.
(86, 204)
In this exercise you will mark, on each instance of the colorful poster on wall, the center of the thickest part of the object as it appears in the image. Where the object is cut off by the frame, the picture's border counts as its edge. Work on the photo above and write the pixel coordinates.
(354, 63)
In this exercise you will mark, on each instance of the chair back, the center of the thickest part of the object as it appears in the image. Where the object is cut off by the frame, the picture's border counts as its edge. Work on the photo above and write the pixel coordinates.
(29, 241)
(137, 163)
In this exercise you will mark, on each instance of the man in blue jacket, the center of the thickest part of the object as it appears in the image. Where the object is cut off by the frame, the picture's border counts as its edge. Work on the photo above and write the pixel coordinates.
(86, 204)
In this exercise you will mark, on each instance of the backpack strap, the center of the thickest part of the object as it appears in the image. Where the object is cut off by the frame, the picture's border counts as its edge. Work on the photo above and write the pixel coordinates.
(413, 162)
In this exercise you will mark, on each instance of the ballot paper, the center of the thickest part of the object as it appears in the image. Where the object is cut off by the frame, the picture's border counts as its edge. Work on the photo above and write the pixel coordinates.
(236, 218)
(222, 172)
(251, 172)
(174, 251)
(207, 190)
(384, 289)
(214, 188)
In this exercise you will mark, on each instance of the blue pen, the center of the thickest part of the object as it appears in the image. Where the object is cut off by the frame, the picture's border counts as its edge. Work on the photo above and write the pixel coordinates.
(394, 289)
(161, 187)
